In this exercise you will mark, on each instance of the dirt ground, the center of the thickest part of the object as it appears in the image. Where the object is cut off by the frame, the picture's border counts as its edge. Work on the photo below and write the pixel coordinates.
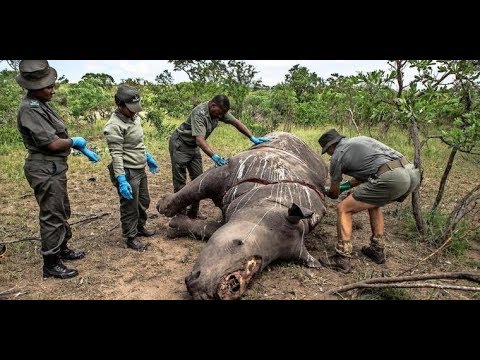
(111, 271)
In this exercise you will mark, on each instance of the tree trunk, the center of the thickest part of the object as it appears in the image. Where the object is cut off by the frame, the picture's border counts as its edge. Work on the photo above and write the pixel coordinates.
(416, 209)
(443, 181)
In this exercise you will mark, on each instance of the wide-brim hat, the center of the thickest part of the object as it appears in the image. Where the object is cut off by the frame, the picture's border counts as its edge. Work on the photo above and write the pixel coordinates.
(36, 74)
(328, 139)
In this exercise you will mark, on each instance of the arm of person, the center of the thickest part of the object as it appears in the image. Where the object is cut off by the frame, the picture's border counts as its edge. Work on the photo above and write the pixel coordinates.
(241, 128)
(202, 144)
(59, 145)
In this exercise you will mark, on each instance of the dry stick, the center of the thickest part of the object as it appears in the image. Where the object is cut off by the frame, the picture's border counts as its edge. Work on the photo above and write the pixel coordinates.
(90, 218)
(422, 285)
(428, 257)
(396, 279)
(33, 238)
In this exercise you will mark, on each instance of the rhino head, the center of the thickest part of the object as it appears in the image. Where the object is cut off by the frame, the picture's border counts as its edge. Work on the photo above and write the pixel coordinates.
(241, 249)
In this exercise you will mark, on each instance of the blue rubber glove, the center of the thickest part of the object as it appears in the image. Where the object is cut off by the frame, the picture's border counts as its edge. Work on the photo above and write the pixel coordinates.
(152, 164)
(78, 143)
(124, 187)
(219, 160)
(257, 141)
(92, 156)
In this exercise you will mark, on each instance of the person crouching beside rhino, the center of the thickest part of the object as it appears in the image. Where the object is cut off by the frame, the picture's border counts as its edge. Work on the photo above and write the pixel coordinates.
(380, 174)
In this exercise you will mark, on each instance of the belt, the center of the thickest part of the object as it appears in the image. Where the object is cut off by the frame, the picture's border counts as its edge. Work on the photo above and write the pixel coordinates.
(40, 156)
(393, 164)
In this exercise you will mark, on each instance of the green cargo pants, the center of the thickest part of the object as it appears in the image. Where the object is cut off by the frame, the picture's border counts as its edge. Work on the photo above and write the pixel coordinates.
(48, 179)
(183, 158)
(133, 213)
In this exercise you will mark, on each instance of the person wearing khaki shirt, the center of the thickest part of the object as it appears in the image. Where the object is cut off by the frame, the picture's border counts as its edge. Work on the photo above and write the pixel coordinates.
(45, 136)
(124, 136)
(191, 135)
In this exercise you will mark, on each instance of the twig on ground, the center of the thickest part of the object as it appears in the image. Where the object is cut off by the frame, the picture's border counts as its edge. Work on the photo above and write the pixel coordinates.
(90, 218)
(475, 277)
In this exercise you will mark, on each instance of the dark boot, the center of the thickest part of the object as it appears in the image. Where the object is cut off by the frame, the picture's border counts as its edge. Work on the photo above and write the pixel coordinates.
(337, 262)
(145, 232)
(69, 254)
(375, 254)
(135, 244)
(53, 267)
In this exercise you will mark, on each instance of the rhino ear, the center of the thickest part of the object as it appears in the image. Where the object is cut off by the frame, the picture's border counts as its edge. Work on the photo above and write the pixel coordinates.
(297, 213)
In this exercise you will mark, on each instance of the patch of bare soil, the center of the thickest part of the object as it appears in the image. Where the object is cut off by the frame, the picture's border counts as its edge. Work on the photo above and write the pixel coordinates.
(112, 271)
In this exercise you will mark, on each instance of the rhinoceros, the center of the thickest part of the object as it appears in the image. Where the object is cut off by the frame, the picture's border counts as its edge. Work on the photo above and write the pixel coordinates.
(271, 197)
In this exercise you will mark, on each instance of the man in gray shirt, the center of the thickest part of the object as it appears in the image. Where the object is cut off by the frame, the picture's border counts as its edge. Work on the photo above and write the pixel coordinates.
(380, 174)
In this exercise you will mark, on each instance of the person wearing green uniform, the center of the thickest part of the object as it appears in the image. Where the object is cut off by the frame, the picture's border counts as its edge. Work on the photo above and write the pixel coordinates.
(380, 175)
(191, 135)
(46, 138)
(124, 136)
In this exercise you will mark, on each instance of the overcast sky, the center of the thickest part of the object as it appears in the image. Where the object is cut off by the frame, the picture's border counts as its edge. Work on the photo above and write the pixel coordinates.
(270, 71)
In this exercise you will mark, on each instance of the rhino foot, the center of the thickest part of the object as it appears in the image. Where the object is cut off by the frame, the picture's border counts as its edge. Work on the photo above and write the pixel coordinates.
(163, 204)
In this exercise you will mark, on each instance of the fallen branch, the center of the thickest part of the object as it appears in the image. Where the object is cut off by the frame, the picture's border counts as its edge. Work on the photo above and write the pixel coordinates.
(29, 238)
(33, 238)
(421, 285)
(90, 218)
(475, 277)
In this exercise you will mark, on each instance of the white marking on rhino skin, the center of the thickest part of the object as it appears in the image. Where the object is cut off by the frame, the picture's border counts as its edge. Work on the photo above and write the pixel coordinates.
(301, 241)
(253, 228)
(307, 192)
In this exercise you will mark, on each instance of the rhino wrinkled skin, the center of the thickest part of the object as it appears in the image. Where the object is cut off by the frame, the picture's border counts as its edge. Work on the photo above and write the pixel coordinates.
(271, 197)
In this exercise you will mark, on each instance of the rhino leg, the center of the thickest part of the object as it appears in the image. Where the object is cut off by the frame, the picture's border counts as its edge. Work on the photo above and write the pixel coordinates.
(182, 225)
(308, 259)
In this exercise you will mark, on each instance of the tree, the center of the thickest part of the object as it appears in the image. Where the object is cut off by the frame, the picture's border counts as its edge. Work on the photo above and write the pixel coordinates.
(303, 82)
(104, 80)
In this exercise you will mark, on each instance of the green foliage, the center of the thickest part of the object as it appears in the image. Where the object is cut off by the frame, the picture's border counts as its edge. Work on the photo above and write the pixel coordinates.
(156, 116)
(436, 222)
(88, 98)
(10, 139)
(10, 97)
(303, 82)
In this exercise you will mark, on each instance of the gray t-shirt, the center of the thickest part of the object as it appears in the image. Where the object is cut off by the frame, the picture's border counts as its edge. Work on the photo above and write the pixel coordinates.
(199, 122)
(359, 157)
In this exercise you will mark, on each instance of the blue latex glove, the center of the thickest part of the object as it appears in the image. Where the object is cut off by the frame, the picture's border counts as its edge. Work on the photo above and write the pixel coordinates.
(92, 156)
(78, 143)
(124, 187)
(219, 160)
(257, 141)
(152, 164)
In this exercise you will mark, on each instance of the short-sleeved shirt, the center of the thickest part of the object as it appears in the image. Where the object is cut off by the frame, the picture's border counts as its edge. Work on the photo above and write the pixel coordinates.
(199, 122)
(40, 125)
(124, 138)
(360, 157)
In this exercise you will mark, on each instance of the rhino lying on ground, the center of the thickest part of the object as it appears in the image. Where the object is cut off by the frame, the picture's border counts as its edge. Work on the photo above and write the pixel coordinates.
(271, 197)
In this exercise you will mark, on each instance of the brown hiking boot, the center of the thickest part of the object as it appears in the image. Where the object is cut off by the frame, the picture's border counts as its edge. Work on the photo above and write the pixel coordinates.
(337, 262)
(375, 254)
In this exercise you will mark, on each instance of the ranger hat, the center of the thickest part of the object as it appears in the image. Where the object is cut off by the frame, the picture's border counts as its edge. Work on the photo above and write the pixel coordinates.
(130, 96)
(35, 74)
(329, 138)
